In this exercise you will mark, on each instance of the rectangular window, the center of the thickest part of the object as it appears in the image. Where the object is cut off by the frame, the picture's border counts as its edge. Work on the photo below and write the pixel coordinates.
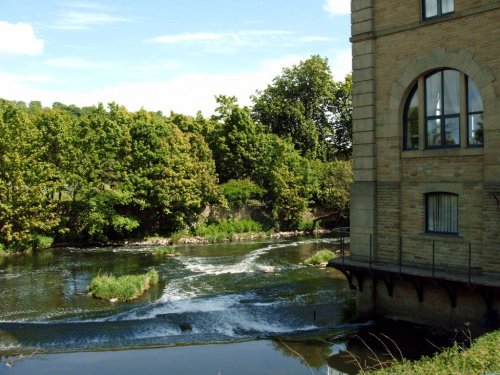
(436, 8)
(441, 213)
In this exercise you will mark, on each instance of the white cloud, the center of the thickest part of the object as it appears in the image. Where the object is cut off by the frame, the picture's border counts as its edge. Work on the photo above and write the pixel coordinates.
(337, 7)
(75, 63)
(314, 39)
(19, 39)
(73, 20)
(185, 94)
(247, 38)
(341, 64)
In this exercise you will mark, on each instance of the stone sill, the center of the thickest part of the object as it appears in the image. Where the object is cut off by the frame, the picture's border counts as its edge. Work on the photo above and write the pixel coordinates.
(440, 237)
(443, 152)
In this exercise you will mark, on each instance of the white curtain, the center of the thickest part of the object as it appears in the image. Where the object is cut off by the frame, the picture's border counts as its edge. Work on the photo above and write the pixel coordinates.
(447, 6)
(431, 8)
(433, 95)
(442, 213)
(451, 96)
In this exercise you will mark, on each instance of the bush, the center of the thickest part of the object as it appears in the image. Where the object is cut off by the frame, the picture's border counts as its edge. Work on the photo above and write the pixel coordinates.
(42, 242)
(166, 250)
(124, 288)
(320, 257)
(238, 192)
(307, 225)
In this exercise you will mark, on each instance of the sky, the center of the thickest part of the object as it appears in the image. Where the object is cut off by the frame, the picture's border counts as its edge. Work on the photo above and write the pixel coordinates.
(162, 55)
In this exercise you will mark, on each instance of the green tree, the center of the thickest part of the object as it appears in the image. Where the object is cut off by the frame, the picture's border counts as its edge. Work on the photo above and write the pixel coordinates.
(241, 148)
(333, 187)
(26, 209)
(307, 105)
(173, 174)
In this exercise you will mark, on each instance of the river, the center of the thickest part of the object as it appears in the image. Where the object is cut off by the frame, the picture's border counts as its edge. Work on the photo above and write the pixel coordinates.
(248, 306)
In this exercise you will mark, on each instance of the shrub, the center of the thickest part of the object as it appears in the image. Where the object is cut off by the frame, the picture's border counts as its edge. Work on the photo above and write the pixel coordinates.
(166, 250)
(238, 192)
(320, 257)
(123, 288)
(41, 242)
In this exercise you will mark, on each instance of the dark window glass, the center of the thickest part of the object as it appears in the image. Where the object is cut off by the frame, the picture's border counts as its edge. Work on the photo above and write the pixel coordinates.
(411, 122)
(452, 131)
(442, 213)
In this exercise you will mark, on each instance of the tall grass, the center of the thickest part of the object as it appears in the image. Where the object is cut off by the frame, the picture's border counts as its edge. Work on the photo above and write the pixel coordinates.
(322, 256)
(123, 288)
(228, 229)
(483, 357)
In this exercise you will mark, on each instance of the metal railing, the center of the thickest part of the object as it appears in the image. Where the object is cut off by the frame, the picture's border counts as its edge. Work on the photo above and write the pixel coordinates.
(436, 256)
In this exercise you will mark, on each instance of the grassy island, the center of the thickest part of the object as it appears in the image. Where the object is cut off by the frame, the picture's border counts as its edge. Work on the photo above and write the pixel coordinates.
(123, 288)
(321, 257)
(165, 251)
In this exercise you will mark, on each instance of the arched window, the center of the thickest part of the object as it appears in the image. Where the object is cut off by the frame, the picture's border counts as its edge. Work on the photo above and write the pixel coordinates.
(441, 213)
(450, 98)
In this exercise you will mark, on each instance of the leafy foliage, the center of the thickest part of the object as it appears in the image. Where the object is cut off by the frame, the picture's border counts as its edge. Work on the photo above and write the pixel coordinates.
(307, 105)
(103, 173)
(239, 192)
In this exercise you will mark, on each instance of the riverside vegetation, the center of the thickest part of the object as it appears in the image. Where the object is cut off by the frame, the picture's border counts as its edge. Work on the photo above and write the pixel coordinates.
(483, 357)
(123, 288)
(99, 174)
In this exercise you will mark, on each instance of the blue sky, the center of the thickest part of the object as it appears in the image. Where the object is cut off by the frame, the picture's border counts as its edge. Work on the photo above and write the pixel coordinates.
(162, 55)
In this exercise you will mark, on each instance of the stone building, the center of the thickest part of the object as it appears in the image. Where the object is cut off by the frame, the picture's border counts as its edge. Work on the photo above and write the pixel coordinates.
(425, 202)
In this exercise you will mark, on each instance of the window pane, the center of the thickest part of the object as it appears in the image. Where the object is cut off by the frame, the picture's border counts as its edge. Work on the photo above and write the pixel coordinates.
(452, 131)
(447, 6)
(433, 95)
(412, 135)
(411, 122)
(476, 130)
(433, 133)
(475, 103)
(431, 8)
(451, 92)
(442, 213)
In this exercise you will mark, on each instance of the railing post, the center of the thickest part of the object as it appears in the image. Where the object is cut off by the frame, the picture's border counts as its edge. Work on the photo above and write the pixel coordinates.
(370, 252)
(470, 261)
(400, 253)
(433, 257)
(342, 250)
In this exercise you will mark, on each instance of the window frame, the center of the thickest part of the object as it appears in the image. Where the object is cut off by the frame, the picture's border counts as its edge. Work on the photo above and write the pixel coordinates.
(439, 5)
(427, 212)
